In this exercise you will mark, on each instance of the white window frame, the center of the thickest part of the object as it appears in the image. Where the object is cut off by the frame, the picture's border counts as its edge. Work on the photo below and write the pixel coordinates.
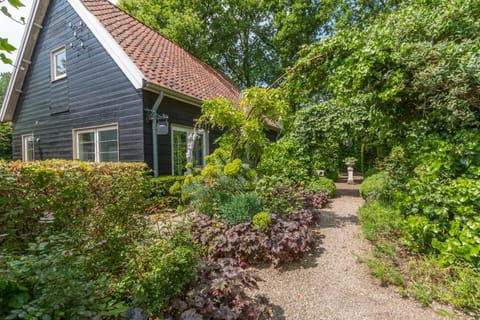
(25, 139)
(188, 130)
(53, 63)
(95, 131)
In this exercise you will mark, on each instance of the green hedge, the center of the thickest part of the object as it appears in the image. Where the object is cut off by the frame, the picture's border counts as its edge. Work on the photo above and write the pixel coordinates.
(322, 184)
(166, 190)
(36, 197)
(376, 186)
(72, 224)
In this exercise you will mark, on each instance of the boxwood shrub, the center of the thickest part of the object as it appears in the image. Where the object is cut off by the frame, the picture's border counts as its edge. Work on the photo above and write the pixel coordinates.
(322, 184)
(376, 187)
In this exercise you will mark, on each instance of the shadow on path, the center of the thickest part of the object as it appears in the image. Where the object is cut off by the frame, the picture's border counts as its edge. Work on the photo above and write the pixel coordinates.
(331, 219)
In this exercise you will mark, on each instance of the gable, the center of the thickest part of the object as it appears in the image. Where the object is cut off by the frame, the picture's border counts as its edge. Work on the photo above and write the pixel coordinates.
(147, 59)
(29, 40)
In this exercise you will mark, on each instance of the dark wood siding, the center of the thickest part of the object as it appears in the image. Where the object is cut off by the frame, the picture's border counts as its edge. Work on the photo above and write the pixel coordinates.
(179, 113)
(95, 92)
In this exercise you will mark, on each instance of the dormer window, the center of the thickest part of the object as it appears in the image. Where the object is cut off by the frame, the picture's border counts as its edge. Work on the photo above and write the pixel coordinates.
(59, 63)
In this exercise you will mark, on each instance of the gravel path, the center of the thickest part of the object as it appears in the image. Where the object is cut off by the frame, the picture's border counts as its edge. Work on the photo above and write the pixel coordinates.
(330, 283)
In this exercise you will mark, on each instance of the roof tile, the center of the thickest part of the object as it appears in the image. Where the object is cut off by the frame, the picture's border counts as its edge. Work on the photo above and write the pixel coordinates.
(162, 62)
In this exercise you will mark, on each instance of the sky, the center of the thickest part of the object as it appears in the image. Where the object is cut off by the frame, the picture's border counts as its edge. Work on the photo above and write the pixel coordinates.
(13, 31)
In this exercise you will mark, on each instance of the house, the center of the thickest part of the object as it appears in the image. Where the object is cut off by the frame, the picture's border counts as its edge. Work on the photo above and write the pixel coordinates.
(93, 83)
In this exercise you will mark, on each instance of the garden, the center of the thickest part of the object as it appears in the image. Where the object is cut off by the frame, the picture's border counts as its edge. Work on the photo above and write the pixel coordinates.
(396, 90)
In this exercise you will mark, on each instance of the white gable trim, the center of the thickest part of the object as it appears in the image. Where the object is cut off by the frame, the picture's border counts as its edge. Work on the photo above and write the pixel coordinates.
(22, 62)
(110, 44)
(29, 40)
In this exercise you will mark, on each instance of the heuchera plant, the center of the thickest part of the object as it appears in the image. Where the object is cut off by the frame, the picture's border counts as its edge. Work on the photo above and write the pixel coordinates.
(219, 293)
(285, 239)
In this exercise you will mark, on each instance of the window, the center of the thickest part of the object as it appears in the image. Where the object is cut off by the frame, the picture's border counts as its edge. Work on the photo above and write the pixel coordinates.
(59, 63)
(28, 147)
(96, 144)
(181, 138)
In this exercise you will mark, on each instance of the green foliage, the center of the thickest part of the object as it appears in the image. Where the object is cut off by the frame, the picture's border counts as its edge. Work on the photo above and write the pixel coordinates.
(166, 190)
(321, 184)
(5, 141)
(207, 190)
(376, 186)
(261, 220)
(166, 268)
(4, 79)
(5, 46)
(44, 278)
(412, 69)
(75, 243)
(278, 195)
(312, 142)
(282, 159)
(371, 172)
(440, 201)
(245, 127)
(253, 41)
(386, 272)
(457, 284)
(240, 208)
(379, 220)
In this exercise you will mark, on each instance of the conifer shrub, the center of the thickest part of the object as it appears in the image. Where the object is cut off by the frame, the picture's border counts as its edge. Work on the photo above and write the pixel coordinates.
(240, 208)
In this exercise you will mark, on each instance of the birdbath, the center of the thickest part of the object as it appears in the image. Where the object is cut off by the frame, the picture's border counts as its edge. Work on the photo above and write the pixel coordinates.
(350, 164)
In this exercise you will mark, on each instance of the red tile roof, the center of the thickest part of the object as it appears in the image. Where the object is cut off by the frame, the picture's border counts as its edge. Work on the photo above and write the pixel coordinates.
(160, 60)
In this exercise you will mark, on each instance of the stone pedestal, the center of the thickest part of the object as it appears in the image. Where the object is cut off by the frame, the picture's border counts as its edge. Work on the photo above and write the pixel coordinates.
(350, 175)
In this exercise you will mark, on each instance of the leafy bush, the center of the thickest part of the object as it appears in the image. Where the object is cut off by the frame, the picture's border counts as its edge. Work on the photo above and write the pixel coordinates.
(371, 172)
(282, 242)
(207, 190)
(70, 196)
(159, 271)
(442, 218)
(240, 208)
(379, 220)
(6, 141)
(322, 184)
(279, 195)
(376, 187)
(261, 221)
(441, 201)
(76, 244)
(53, 282)
(219, 293)
(166, 190)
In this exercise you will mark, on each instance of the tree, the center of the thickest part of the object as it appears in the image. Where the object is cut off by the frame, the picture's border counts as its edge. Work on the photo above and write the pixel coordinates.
(412, 69)
(245, 126)
(252, 41)
(5, 128)
(4, 79)
(5, 46)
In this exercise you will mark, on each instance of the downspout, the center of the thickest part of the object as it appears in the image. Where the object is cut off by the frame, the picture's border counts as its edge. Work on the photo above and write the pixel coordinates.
(154, 133)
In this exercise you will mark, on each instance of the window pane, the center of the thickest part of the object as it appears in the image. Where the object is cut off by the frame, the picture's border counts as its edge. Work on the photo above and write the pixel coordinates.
(198, 151)
(179, 152)
(108, 146)
(107, 135)
(108, 156)
(86, 146)
(60, 63)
